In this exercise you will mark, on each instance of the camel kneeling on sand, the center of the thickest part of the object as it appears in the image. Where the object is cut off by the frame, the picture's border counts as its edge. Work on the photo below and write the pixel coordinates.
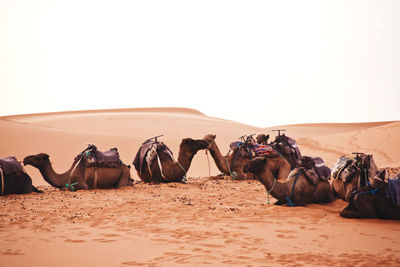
(90, 169)
(155, 163)
(349, 175)
(232, 164)
(297, 190)
(14, 179)
(377, 200)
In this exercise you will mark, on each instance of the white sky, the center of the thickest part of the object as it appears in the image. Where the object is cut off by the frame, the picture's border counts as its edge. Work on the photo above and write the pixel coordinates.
(263, 63)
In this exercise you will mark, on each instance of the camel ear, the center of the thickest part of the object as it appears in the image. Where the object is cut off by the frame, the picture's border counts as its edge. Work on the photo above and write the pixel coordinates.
(214, 136)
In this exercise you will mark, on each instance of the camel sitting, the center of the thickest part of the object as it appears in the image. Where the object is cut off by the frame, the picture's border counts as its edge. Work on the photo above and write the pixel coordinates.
(90, 169)
(297, 190)
(14, 179)
(232, 163)
(155, 163)
(349, 175)
(372, 201)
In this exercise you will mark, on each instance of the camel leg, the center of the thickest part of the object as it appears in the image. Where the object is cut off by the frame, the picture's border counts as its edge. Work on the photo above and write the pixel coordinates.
(27, 184)
(349, 213)
(124, 179)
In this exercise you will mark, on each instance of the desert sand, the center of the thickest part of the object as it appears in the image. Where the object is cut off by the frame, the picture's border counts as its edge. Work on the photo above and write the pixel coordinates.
(204, 222)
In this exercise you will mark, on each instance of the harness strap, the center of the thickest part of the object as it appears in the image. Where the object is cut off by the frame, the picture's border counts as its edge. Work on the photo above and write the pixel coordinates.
(2, 181)
(160, 166)
(76, 165)
(290, 200)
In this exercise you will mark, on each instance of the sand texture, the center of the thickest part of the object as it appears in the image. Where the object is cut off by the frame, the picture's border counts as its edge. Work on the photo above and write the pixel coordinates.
(205, 222)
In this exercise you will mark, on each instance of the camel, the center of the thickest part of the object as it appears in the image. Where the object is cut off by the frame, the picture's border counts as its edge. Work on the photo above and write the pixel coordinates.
(353, 176)
(79, 175)
(297, 190)
(371, 202)
(166, 169)
(281, 167)
(14, 179)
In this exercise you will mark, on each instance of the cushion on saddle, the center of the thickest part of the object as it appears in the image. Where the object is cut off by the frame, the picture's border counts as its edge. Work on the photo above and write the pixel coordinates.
(147, 153)
(10, 165)
(96, 158)
(393, 190)
(323, 171)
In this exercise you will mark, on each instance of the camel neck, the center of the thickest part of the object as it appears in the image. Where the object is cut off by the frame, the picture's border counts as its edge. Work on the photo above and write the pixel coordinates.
(278, 190)
(219, 159)
(53, 178)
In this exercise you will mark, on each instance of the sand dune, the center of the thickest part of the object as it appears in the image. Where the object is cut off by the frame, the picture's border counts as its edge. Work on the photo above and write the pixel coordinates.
(216, 222)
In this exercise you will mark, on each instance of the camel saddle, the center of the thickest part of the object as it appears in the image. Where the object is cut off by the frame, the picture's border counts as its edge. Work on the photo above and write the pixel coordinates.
(342, 169)
(10, 165)
(251, 150)
(315, 170)
(323, 171)
(96, 158)
(286, 145)
(148, 153)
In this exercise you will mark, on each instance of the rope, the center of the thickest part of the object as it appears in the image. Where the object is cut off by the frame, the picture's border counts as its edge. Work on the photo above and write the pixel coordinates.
(233, 174)
(184, 178)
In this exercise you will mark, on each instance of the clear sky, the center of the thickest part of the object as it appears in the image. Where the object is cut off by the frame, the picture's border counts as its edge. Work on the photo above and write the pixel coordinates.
(263, 63)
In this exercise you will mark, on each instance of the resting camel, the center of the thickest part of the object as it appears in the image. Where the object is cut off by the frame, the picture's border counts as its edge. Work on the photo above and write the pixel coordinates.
(281, 167)
(13, 178)
(371, 202)
(171, 170)
(79, 176)
(292, 192)
(359, 173)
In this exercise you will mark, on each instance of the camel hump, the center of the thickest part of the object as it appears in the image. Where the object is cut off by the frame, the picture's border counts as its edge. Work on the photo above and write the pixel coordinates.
(10, 165)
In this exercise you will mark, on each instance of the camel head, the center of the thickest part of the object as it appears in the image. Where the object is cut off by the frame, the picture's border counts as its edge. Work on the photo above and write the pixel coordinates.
(255, 165)
(36, 160)
(262, 139)
(210, 139)
(364, 161)
(192, 146)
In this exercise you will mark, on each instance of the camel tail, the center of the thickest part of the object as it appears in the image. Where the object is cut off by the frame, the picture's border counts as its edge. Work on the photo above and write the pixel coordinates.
(34, 189)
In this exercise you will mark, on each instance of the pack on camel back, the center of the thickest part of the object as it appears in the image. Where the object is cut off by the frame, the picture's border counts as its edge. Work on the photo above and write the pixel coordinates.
(287, 147)
(380, 199)
(349, 175)
(155, 163)
(13, 178)
(148, 154)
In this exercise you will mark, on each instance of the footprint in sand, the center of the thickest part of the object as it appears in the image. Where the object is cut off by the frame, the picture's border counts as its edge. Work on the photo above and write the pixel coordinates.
(74, 240)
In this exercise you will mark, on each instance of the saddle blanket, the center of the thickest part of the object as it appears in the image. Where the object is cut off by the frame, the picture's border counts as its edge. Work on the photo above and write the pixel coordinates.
(10, 165)
(323, 171)
(262, 150)
(393, 190)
